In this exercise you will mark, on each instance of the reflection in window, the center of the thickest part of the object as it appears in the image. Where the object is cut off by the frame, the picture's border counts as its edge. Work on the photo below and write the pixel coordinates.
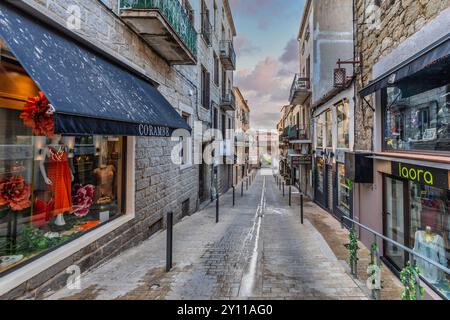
(319, 132)
(329, 128)
(343, 112)
(343, 191)
(419, 121)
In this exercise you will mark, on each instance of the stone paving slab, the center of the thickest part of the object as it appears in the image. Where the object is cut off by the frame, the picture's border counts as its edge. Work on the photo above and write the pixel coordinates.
(259, 250)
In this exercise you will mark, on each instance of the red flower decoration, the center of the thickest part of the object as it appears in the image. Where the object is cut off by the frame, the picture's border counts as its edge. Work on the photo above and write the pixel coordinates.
(37, 115)
(83, 199)
(15, 192)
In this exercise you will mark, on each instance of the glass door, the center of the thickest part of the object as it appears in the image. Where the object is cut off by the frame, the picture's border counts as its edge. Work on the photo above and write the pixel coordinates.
(394, 222)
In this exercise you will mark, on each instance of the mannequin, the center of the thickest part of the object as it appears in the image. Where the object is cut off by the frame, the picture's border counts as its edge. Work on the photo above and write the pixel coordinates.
(105, 179)
(432, 246)
(59, 177)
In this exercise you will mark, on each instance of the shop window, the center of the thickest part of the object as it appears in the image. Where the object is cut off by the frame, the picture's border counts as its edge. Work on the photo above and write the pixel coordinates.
(430, 232)
(329, 129)
(320, 174)
(343, 191)
(343, 112)
(53, 188)
(319, 132)
(186, 149)
(416, 119)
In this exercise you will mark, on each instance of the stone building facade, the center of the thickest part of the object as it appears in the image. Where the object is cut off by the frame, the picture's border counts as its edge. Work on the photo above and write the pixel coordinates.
(160, 185)
(381, 26)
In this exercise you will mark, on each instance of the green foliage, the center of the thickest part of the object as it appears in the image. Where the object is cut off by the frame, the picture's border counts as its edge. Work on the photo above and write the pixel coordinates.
(33, 240)
(372, 268)
(408, 279)
(349, 184)
(353, 246)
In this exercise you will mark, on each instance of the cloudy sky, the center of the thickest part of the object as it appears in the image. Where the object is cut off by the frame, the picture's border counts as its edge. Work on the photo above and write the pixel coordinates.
(267, 52)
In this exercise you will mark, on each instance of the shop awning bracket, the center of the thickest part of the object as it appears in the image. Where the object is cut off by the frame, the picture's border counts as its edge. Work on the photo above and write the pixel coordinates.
(368, 104)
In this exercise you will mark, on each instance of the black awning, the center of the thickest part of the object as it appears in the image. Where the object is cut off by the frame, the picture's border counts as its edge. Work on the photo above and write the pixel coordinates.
(90, 93)
(433, 54)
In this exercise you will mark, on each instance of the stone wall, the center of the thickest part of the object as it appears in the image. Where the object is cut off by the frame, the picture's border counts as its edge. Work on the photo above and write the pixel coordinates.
(161, 186)
(379, 31)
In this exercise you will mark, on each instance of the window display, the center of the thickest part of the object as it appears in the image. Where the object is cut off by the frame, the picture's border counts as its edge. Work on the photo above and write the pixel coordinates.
(53, 188)
(320, 174)
(329, 128)
(319, 132)
(417, 121)
(343, 112)
(343, 191)
(430, 231)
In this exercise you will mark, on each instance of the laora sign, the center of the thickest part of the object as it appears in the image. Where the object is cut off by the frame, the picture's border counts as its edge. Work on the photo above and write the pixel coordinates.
(429, 176)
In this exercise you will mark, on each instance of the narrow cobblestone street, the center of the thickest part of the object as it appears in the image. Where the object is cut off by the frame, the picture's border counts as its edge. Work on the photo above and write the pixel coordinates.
(258, 250)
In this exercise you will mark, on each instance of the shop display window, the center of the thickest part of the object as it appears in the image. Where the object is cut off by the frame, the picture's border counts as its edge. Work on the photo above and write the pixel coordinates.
(329, 128)
(319, 132)
(343, 191)
(343, 112)
(53, 188)
(320, 174)
(430, 232)
(416, 119)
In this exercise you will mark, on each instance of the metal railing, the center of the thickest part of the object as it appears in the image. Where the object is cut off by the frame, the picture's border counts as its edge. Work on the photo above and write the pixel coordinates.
(227, 51)
(174, 13)
(415, 255)
(301, 82)
(228, 99)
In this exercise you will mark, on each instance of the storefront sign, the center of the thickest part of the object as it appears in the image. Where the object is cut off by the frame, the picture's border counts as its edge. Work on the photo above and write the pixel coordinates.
(153, 131)
(430, 176)
(302, 160)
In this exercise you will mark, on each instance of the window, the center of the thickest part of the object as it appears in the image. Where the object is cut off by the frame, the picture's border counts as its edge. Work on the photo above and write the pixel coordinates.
(215, 121)
(417, 119)
(215, 15)
(319, 132)
(186, 150)
(187, 6)
(343, 191)
(216, 70)
(206, 24)
(53, 188)
(343, 112)
(320, 174)
(329, 129)
(205, 88)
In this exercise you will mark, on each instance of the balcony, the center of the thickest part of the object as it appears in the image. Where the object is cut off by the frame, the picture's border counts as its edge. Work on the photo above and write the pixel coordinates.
(300, 90)
(228, 101)
(227, 55)
(166, 27)
(297, 135)
(207, 29)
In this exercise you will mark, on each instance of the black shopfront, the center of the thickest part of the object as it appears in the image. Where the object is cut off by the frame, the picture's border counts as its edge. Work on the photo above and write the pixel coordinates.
(66, 112)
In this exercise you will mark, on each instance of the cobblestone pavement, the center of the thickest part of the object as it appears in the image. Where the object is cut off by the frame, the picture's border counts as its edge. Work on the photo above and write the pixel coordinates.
(259, 250)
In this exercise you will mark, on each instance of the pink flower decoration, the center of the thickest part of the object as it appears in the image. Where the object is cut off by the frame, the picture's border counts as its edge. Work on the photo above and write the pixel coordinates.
(82, 199)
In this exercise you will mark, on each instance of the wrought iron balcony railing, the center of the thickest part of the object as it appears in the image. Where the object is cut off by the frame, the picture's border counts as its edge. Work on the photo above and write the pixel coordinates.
(300, 89)
(174, 13)
(227, 54)
(228, 101)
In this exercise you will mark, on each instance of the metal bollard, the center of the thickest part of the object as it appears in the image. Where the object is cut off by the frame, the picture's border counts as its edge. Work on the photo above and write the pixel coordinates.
(246, 184)
(169, 241)
(290, 195)
(283, 189)
(242, 188)
(217, 209)
(301, 208)
(234, 197)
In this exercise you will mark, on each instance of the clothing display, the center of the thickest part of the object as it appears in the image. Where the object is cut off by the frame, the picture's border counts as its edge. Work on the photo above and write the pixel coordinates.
(105, 182)
(434, 250)
(60, 175)
(42, 212)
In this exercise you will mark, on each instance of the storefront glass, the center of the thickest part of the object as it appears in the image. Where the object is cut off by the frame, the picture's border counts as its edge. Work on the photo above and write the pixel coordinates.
(430, 232)
(329, 129)
(417, 119)
(52, 188)
(319, 132)
(343, 191)
(343, 111)
(394, 220)
(320, 174)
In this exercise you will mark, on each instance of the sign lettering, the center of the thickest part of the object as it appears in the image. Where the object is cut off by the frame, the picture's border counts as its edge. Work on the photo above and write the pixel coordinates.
(429, 176)
(151, 131)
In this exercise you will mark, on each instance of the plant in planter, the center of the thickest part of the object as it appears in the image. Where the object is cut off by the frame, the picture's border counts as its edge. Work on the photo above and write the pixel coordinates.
(349, 184)
(353, 251)
(412, 289)
(374, 281)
